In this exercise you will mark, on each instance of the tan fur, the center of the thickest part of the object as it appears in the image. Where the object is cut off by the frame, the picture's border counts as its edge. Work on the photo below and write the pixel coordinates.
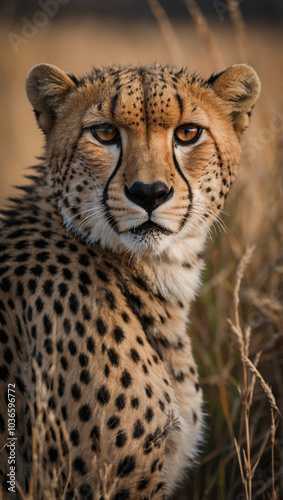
(97, 285)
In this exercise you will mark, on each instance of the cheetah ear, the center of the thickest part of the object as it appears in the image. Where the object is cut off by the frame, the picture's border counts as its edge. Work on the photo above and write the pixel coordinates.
(239, 86)
(47, 87)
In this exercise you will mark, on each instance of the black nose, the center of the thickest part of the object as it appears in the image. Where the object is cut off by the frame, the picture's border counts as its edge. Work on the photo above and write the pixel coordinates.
(149, 196)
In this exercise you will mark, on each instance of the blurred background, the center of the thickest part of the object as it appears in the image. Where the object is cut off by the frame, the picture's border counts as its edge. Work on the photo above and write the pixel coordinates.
(206, 37)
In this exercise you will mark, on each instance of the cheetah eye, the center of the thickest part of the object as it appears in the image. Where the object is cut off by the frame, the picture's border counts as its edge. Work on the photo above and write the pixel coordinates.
(105, 133)
(187, 133)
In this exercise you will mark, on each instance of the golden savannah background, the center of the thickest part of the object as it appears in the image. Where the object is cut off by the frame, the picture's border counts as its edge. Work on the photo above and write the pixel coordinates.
(236, 322)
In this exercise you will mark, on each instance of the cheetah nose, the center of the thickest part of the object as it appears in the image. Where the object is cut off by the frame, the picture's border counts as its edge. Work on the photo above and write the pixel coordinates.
(149, 196)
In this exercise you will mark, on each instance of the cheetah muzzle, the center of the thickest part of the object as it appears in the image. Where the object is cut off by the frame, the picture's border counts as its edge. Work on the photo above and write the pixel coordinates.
(100, 260)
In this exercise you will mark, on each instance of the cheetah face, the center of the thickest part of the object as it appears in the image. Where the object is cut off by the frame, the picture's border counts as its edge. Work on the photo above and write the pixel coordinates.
(142, 158)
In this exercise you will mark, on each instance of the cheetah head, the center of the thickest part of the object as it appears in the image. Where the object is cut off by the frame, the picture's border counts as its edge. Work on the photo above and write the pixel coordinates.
(142, 158)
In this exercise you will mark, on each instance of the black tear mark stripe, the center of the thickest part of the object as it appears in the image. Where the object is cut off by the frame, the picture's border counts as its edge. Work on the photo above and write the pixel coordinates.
(190, 194)
(180, 103)
(110, 218)
(114, 105)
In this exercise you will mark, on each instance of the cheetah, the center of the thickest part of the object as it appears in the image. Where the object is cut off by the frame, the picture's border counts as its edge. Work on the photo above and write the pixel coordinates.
(100, 260)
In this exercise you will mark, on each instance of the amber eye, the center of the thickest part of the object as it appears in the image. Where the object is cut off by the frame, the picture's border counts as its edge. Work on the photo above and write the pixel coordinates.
(105, 133)
(188, 133)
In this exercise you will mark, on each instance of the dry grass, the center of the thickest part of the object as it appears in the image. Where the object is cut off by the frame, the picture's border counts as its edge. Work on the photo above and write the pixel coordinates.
(240, 363)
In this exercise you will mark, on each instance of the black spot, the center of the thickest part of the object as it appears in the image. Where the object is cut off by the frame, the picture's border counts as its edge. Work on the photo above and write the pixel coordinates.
(126, 379)
(95, 433)
(64, 412)
(118, 335)
(47, 324)
(8, 355)
(103, 395)
(64, 363)
(80, 328)
(140, 341)
(149, 414)
(135, 403)
(113, 422)
(113, 357)
(63, 289)
(39, 304)
(135, 355)
(20, 270)
(167, 397)
(85, 413)
(106, 371)
(22, 257)
(72, 347)
(58, 308)
(40, 243)
(61, 385)
(138, 429)
(84, 278)
(101, 328)
(126, 466)
(110, 299)
(20, 385)
(52, 403)
(125, 317)
(102, 276)
(29, 313)
(48, 288)
(120, 402)
(84, 260)
(121, 439)
(39, 359)
(37, 270)
(68, 275)
(20, 289)
(90, 345)
(86, 313)
(4, 373)
(75, 437)
(85, 377)
(76, 392)
(48, 346)
(154, 466)
(67, 326)
(148, 391)
(5, 284)
(63, 259)
(83, 359)
(52, 269)
(143, 483)
(80, 466)
(73, 303)
(161, 405)
(159, 486)
(60, 345)
(148, 444)
(3, 336)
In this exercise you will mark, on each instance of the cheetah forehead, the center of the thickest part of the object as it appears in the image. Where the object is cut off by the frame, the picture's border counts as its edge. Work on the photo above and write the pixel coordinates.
(151, 95)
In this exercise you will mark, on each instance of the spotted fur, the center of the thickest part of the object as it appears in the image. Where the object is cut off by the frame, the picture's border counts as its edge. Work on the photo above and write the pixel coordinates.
(97, 277)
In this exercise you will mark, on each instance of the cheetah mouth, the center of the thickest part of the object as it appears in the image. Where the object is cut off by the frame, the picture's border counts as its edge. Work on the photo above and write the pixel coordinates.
(150, 227)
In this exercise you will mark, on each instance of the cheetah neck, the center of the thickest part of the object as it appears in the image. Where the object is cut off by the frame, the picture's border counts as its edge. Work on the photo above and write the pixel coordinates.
(178, 276)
